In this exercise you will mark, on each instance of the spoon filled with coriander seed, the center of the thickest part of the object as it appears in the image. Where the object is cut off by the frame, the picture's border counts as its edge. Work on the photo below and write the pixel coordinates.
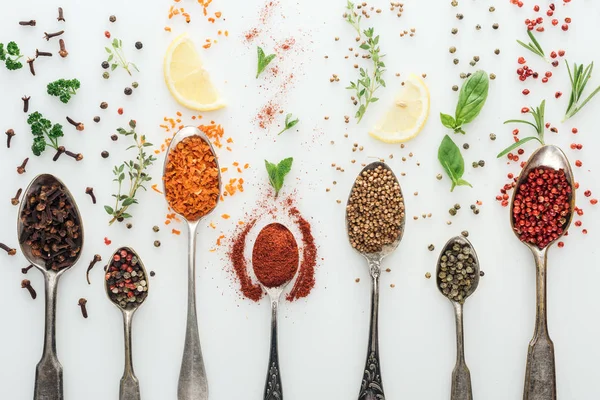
(192, 187)
(457, 277)
(375, 220)
(126, 284)
(542, 209)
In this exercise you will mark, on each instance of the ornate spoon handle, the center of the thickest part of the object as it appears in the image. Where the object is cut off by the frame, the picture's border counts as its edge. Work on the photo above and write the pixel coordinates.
(273, 386)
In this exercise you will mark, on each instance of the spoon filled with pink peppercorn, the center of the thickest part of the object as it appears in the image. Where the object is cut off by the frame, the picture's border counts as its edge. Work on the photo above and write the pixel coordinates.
(541, 211)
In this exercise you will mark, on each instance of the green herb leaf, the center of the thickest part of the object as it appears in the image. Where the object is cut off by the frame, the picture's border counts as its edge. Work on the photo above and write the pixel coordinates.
(579, 77)
(450, 158)
(539, 126)
(289, 123)
(534, 47)
(278, 172)
(263, 60)
(448, 121)
(517, 144)
(472, 97)
(109, 210)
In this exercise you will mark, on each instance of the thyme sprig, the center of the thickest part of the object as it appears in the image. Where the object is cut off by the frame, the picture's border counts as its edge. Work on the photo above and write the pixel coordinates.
(579, 77)
(117, 57)
(135, 169)
(538, 125)
(534, 47)
(353, 18)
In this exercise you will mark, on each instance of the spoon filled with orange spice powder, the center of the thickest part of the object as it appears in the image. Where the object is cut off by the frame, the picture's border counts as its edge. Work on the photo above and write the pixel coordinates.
(192, 186)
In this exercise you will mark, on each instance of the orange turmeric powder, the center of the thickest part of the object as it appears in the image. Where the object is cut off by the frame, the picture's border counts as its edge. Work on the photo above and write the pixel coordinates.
(192, 178)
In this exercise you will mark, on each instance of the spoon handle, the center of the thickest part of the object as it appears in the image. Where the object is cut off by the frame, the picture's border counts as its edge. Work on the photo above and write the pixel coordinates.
(372, 386)
(461, 376)
(130, 386)
(273, 386)
(193, 384)
(49, 372)
(540, 376)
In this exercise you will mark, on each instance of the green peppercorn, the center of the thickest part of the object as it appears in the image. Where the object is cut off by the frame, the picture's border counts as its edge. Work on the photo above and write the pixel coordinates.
(454, 3)
(457, 206)
(463, 75)
(455, 88)
(454, 31)
(465, 233)
(128, 91)
(157, 243)
(476, 58)
(452, 211)
(106, 75)
(455, 61)
(492, 76)
(495, 26)
(473, 206)
(112, 18)
(459, 16)
(155, 228)
(431, 247)
(439, 177)
(481, 163)
(492, 136)
(105, 64)
(452, 50)
(472, 63)
(492, 9)
(497, 51)
(475, 164)
(135, 85)
(138, 45)
(466, 146)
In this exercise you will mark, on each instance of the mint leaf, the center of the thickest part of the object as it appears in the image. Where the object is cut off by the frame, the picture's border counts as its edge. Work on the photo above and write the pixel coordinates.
(263, 60)
(278, 172)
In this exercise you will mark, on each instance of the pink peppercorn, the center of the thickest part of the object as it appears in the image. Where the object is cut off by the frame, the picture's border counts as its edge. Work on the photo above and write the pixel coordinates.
(549, 13)
(536, 8)
(561, 53)
(521, 60)
(553, 54)
(515, 132)
(555, 22)
(594, 202)
(574, 130)
(565, 27)
(120, 111)
(578, 163)
(561, 244)
(557, 94)
(587, 193)
(524, 110)
(526, 92)
(584, 231)
(552, 7)
(107, 34)
(568, 20)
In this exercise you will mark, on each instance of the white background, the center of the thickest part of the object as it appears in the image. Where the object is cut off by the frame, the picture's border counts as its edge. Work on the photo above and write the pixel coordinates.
(322, 338)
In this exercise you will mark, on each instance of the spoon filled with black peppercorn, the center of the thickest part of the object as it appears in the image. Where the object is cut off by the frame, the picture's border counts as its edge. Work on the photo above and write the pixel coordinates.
(375, 220)
(51, 237)
(126, 284)
(457, 277)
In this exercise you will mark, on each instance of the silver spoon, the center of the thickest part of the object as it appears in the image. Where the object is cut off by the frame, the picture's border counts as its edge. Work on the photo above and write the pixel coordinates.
(540, 376)
(49, 371)
(372, 386)
(130, 386)
(273, 385)
(461, 376)
(193, 384)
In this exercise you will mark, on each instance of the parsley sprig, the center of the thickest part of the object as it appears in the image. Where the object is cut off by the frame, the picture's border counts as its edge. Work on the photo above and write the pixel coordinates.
(538, 125)
(534, 47)
(367, 84)
(11, 55)
(579, 77)
(263, 60)
(289, 123)
(64, 89)
(117, 57)
(42, 129)
(135, 170)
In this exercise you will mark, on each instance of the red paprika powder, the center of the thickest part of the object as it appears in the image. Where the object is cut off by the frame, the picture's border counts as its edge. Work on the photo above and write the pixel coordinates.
(275, 255)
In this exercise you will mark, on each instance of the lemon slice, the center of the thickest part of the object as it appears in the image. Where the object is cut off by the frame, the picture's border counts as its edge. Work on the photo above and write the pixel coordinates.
(407, 116)
(186, 78)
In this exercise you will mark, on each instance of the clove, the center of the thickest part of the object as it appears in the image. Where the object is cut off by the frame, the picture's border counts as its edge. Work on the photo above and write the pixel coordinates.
(97, 258)
(26, 103)
(77, 157)
(78, 125)
(30, 62)
(42, 53)
(9, 251)
(26, 269)
(82, 302)
(61, 16)
(28, 23)
(59, 151)
(21, 168)
(9, 133)
(49, 36)
(26, 284)
(90, 191)
(63, 52)
(15, 200)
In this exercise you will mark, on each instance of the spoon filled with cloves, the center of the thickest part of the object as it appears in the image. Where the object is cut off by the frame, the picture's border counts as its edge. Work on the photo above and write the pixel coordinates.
(457, 277)
(51, 237)
(126, 285)
(375, 220)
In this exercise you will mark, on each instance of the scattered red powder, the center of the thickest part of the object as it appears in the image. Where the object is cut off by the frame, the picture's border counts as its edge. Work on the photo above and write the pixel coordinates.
(306, 275)
(251, 290)
(287, 44)
(251, 34)
(266, 115)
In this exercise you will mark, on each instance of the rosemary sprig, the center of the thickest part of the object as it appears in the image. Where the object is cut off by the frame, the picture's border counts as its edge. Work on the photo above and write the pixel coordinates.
(367, 84)
(538, 117)
(579, 77)
(136, 172)
(534, 47)
(120, 60)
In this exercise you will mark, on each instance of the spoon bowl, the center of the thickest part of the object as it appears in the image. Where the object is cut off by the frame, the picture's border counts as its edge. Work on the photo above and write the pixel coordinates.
(463, 241)
(193, 383)
(49, 371)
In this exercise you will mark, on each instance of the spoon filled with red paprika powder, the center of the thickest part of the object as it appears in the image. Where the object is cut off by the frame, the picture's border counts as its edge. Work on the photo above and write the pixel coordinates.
(275, 261)
(192, 186)
(541, 212)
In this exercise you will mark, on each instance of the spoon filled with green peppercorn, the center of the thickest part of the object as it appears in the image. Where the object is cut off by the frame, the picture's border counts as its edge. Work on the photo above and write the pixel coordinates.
(375, 219)
(457, 277)
(126, 284)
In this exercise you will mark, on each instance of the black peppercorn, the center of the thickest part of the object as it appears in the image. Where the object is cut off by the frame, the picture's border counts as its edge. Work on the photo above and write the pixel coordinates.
(104, 154)
(138, 45)
(105, 64)
(104, 105)
(128, 91)
(152, 273)
(114, 138)
(112, 18)
(96, 119)
(129, 226)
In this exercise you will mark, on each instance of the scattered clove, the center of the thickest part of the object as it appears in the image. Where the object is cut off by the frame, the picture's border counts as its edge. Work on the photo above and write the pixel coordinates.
(9, 251)
(78, 125)
(42, 53)
(21, 168)
(59, 151)
(26, 284)
(9, 133)
(61, 16)
(31, 68)
(26, 269)
(28, 23)
(15, 200)
(90, 191)
(63, 51)
(77, 157)
(26, 103)
(49, 36)
(82, 302)
(97, 258)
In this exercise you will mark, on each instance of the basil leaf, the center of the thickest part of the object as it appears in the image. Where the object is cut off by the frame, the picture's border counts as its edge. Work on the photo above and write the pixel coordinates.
(472, 97)
(452, 161)
(448, 121)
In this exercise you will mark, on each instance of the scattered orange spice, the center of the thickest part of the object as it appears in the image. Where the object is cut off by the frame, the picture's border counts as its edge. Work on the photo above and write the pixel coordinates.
(155, 188)
(225, 216)
(176, 232)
